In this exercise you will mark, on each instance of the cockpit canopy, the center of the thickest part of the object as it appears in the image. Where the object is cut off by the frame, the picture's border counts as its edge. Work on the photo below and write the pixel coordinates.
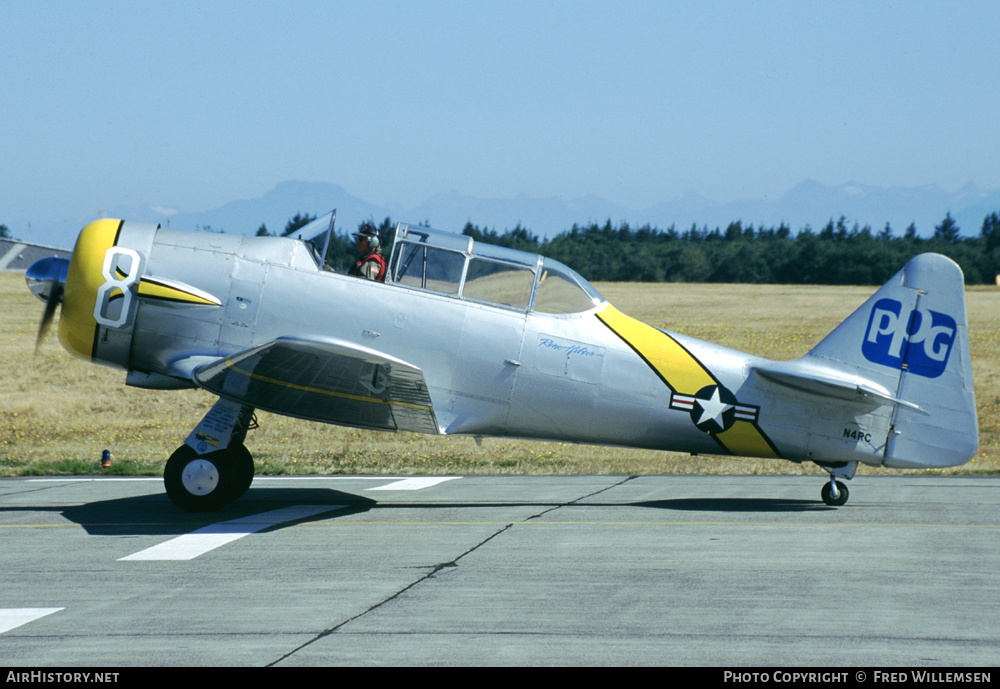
(457, 266)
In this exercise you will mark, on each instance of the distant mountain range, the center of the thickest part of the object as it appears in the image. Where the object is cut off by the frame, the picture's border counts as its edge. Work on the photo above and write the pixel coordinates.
(809, 203)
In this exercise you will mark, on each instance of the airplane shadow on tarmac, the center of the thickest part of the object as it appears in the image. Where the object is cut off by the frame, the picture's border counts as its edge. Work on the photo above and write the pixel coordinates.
(156, 515)
(736, 505)
(683, 504)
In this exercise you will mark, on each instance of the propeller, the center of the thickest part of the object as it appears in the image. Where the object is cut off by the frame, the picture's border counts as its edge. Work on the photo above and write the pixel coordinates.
(46, 279)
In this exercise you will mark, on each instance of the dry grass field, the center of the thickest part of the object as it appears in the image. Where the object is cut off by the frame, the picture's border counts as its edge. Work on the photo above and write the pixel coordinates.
(58, 413)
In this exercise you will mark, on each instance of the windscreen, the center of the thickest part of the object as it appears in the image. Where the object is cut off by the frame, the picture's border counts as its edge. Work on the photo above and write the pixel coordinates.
(318, 235)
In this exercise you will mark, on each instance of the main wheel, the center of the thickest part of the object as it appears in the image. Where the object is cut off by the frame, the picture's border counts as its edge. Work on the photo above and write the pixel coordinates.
(241, 462)
(827, 494)
(204, 483)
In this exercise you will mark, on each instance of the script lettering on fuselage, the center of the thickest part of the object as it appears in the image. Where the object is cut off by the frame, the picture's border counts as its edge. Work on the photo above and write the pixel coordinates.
(569, 359)
(569, 349)
(919, 340)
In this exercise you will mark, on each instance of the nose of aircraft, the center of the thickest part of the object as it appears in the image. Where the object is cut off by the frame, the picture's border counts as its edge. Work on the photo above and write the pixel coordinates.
(73, 284)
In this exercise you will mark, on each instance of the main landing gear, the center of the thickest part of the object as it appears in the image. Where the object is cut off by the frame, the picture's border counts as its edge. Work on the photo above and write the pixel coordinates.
(204, 483)
(200, 478)
(835, 493)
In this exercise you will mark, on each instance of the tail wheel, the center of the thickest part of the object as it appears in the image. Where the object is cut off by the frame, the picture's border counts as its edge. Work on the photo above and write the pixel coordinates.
(204, 483)
(827, 493)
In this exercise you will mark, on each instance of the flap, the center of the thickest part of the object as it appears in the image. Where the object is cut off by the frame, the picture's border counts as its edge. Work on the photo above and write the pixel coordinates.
(327, 380)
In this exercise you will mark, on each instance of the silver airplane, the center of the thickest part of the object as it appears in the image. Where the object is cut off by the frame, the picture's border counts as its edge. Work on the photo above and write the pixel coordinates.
(464, 338)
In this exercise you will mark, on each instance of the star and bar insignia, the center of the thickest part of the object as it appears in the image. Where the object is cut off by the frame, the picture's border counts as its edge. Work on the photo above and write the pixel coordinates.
(713, 409)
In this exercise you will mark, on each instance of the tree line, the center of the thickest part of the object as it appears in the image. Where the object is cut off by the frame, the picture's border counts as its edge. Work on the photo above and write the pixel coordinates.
(835, 255)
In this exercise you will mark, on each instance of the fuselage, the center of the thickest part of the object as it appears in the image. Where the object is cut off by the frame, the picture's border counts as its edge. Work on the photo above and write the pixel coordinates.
(506, 350)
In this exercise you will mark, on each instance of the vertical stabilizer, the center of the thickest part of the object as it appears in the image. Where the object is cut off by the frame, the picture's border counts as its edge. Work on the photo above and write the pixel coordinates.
(911, 338)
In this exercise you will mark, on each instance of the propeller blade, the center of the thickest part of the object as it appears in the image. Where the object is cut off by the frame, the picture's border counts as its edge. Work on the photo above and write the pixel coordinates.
(55, 298)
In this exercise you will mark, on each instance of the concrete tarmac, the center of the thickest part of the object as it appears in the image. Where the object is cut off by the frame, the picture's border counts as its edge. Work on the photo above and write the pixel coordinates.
(503, 570)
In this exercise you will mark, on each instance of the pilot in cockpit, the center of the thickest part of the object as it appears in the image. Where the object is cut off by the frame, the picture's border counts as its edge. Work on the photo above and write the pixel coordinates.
(371, 265)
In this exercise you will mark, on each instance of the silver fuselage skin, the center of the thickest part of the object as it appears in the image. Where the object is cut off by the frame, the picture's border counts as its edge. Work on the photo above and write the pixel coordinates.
(592, 376)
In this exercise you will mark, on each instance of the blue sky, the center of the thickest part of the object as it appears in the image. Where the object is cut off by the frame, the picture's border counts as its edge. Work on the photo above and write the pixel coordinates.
(189, 105)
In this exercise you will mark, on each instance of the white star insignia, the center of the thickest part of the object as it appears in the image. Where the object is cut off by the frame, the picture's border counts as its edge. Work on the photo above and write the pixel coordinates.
(713, 409)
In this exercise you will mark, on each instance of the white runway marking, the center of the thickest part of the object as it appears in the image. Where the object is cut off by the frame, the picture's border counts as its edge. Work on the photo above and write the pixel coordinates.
(199, 542)
(91, 480)
(12, 618)
(10, 255)
(415, 483)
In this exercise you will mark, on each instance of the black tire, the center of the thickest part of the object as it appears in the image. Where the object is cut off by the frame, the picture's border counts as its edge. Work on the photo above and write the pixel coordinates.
(200, 483)
(241, 462)
(828, 498)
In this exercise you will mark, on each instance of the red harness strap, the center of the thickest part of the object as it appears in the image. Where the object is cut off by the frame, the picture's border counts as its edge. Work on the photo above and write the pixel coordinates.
(373, 256)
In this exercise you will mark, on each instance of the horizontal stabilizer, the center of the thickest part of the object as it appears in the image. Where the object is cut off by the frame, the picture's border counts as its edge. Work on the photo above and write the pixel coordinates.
(829, 384)
(326, 380)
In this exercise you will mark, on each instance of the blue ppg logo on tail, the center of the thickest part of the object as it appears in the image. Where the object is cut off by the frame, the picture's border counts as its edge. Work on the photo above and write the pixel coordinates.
(919, 340)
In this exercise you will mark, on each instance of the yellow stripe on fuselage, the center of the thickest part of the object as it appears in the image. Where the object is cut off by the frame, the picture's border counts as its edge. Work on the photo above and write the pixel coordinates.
(745, 439)
(678, 369)
(158, 290)
(684, 374)
(77, 326)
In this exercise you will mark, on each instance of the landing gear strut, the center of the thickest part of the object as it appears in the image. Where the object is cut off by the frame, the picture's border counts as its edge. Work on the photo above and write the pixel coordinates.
(835, 493)
(204, 476)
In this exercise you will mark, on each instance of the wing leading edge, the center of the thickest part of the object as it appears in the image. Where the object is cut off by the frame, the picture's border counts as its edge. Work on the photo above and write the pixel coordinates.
(326, 380)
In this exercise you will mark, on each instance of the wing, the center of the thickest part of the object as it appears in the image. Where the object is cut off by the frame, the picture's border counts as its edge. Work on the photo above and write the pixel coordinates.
(327, 380)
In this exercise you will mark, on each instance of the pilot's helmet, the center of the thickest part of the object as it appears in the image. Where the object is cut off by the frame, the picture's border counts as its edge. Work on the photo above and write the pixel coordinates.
(369, 232)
